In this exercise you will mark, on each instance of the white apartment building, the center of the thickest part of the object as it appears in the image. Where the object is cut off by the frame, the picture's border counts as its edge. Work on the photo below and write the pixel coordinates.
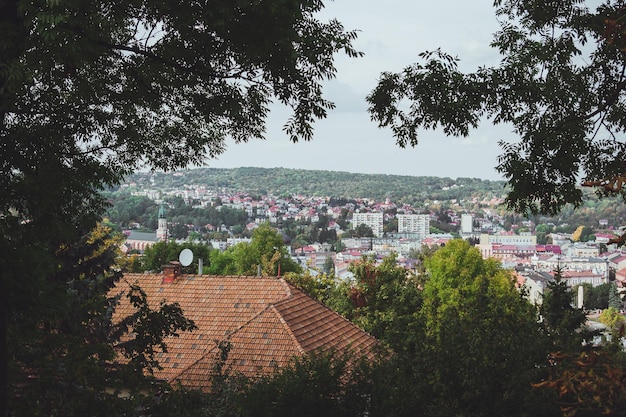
(414, 223)
(467, 224)
(373, 220)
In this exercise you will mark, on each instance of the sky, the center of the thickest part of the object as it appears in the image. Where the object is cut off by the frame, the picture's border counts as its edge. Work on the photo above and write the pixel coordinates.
(391, 35)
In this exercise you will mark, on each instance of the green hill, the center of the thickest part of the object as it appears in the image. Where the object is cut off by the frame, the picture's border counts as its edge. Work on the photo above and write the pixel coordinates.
(282, 181)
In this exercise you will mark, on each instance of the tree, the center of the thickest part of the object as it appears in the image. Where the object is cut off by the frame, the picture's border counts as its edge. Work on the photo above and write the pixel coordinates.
(560, 84)
(613, 320)
(465, 341)
(363, 230)
(562, 322)
(614, 299)
(588, 384)
(483, 343)
(64, 346)
(92, 90)
(595, 298)
(266, 250)
(322, 384)
(383, 300)
(160, 253)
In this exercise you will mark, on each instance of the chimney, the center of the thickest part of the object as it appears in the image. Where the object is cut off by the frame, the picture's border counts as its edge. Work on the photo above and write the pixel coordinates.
(171, 271)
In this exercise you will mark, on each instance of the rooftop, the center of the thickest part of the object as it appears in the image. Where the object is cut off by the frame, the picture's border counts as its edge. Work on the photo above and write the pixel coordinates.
(266, 320)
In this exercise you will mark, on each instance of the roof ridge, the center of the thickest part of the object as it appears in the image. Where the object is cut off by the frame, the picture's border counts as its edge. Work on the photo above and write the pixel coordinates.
(295, 290)
(288, 329)
(288, 289)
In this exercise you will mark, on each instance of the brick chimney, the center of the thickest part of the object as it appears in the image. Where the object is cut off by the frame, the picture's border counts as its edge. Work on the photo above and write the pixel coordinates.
(171, 272)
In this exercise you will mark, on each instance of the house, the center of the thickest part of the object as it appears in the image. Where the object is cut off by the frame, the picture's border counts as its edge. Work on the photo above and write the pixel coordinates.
(266, 320)
(535, 282)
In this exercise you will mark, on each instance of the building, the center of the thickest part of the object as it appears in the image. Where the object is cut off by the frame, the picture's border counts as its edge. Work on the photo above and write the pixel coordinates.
(266, 320)
(161, 232)
(373, 220)
(418, 224)
(467, 224)
(534, 281)
(516, 252)
(578, 250)
(592, 277)
(512, 239)
(140, 241)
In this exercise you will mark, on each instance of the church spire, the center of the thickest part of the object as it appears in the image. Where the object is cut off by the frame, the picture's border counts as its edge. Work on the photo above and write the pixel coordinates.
(162, 225)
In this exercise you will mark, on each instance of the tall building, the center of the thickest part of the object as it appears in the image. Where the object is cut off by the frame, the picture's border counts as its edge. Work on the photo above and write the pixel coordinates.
(373, 220)
(414, 223)
(467, 224)
(161, 233)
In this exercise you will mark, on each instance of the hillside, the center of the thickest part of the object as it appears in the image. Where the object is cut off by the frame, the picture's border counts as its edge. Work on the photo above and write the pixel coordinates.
(282, 181)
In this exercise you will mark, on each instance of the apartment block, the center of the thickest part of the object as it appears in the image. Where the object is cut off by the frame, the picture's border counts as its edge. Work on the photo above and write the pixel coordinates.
(414, 223)
(373, 220)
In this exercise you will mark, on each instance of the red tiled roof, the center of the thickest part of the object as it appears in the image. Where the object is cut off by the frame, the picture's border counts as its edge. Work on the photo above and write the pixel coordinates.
(266, 320)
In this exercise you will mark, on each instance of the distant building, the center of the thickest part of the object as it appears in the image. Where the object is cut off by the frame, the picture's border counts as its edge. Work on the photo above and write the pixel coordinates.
(140, 241)
(418, 224)
(512, 239)
(515, 252)
(578, 250)
(467, 224)
(161, 232)
(534, 281)
(373, 220)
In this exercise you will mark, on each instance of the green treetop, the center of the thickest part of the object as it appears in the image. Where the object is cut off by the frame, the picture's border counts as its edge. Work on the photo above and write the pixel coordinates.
(560, 85)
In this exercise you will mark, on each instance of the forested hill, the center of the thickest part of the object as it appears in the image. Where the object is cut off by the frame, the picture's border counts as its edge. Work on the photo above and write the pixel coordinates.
(282, 181)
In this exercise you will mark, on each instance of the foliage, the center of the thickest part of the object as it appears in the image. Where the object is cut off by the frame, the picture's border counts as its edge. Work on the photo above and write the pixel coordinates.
(161, 253)
(559, 84)
(482, 340)
(221, 397)
(418, 191)
(383, 300)
(595, 298)
(317, 385)
(341, 187)
(613, 320)
(465, 341)
(150, 328)
(615, 300)
(588, 384)
(562, 322)
(577, 233)
(319, 286)
(92, 90)
(363, 230)
(63, 349)
(266, 250)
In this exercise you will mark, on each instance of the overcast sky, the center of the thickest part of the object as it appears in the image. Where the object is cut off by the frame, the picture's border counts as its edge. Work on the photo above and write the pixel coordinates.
(392, 34)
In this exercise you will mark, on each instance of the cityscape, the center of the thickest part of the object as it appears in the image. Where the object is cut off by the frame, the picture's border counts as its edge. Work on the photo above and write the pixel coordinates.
(389, 228)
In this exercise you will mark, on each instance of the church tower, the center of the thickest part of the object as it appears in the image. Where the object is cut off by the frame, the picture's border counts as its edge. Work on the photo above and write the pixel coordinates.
(161, 233)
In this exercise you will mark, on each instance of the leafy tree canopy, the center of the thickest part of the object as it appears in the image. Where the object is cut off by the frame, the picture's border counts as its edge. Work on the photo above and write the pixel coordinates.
(560, 84)
(266, 250)
(92, 90)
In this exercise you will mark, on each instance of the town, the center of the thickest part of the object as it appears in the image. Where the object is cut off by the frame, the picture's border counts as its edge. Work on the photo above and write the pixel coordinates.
(327, 234)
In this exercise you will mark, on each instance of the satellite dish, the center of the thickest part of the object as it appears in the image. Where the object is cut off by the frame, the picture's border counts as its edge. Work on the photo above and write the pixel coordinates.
(185, 257)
